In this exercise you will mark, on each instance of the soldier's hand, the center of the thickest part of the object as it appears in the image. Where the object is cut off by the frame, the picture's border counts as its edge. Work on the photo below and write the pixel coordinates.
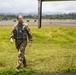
(11, 40)
(30, 43)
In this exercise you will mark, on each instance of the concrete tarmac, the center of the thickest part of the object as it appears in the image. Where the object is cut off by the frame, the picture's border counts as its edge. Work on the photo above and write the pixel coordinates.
(45, 22)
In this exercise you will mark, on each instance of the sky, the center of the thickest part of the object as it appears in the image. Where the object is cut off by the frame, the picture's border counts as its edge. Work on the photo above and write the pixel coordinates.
(31, 6)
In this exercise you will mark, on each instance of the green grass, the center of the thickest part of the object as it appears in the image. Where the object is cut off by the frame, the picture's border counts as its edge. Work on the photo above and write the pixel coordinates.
(53, 50)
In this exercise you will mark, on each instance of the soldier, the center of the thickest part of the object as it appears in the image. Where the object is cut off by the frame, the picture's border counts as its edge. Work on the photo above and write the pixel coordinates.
(20, 32)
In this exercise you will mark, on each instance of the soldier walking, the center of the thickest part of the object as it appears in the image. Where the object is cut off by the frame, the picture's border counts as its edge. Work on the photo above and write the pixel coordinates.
(20, 32)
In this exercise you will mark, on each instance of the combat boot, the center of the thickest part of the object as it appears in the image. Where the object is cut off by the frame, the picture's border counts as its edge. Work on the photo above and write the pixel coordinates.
(17, 69)
(24, 63)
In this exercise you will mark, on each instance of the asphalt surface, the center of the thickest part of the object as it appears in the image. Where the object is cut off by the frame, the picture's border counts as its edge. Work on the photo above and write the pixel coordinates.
(45, 22)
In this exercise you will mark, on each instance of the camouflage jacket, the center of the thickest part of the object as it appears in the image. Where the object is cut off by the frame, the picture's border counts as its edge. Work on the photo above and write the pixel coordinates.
(24, 27)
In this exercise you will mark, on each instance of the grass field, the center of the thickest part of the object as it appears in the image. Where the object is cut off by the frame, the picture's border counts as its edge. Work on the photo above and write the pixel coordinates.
(53, 50)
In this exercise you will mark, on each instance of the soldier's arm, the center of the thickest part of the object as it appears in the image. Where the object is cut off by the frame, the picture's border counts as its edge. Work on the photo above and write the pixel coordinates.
(28, 33)
(11, 36)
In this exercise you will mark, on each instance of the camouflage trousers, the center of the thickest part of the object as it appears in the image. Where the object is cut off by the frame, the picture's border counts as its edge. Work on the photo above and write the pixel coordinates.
(20, 45)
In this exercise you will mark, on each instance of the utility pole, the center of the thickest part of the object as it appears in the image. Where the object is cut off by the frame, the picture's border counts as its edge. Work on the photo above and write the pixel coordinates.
(39, 13)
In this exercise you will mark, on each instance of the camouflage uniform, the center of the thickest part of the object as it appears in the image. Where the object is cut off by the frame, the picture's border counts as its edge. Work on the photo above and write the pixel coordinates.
(21, 42)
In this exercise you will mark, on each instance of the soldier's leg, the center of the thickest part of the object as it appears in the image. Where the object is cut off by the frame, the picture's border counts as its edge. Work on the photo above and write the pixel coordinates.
(21, 57)
(24, 46)
(24, 62)
(18, 42)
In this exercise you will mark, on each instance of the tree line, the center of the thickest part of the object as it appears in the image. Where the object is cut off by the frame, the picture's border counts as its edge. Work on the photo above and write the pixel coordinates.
(60, 16)
(56, 16)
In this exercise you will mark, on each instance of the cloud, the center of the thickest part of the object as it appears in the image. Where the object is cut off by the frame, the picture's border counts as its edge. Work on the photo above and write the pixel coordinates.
(60, 6)
(16, 6)
(31, 6)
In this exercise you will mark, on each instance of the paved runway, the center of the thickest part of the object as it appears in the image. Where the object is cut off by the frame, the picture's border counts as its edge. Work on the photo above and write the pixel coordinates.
(45, 22)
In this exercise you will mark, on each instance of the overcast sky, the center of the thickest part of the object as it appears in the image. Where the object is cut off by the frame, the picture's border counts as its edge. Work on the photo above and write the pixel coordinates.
(31, 6)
